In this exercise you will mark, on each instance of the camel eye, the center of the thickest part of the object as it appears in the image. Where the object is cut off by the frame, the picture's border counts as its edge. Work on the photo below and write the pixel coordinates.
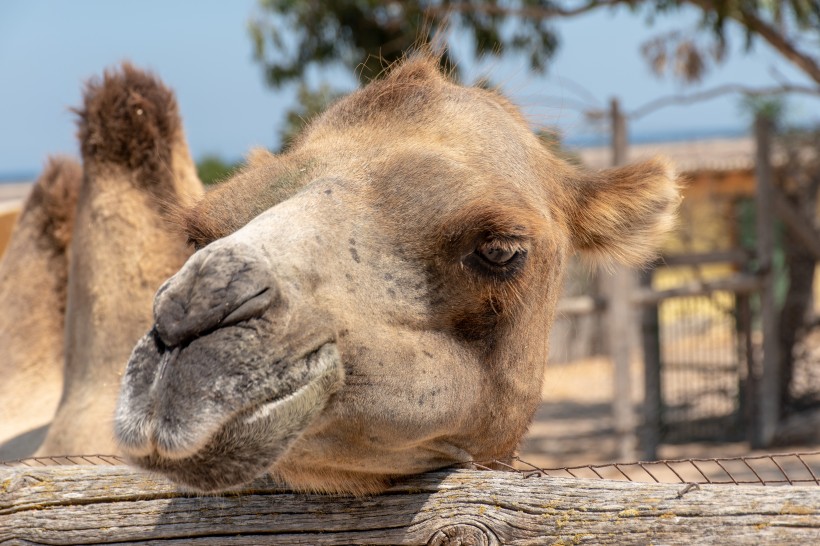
(197, 244)
(497, 255)
(497, 258)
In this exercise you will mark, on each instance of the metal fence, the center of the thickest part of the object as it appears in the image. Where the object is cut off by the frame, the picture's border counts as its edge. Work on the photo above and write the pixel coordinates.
(771, 469)
(704, 365)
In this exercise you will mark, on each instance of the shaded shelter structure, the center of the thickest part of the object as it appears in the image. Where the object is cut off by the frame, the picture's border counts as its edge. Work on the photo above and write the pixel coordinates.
(709, 308)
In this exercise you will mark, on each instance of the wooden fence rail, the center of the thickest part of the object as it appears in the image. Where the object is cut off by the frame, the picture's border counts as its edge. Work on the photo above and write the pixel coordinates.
(92, 505)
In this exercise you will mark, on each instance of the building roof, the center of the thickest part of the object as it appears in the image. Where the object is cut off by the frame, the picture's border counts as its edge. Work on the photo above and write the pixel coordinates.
(12, 195)
(718, 154)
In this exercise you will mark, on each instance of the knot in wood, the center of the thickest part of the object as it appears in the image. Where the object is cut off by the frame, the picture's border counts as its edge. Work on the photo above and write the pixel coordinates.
(464, 534)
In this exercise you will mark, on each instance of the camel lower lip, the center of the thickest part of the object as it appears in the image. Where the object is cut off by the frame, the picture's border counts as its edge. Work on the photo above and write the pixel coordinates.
(275, 405)
(269, 409)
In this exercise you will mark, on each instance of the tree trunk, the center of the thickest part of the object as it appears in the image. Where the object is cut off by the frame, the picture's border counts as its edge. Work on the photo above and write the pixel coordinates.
(796, 307)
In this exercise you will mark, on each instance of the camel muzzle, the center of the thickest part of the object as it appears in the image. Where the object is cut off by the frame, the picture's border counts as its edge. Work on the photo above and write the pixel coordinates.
(228, 377)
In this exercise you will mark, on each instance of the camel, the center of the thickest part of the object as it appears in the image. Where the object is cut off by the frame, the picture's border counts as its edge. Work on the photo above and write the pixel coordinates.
(33, 280)
(372, 303)
(136, 168)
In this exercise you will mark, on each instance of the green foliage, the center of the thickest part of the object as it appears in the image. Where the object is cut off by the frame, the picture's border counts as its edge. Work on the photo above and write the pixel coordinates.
(365, 36)
(770, 107)
(213, 169)
(792, 27)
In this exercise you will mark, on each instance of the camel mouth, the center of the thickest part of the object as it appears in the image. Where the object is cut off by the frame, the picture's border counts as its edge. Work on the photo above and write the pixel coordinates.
(246, 442)
(277, 405)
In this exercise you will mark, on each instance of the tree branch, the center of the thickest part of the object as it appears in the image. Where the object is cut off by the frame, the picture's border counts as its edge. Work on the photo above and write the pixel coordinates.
(531, 12)
(808, 64)
(670, 100)
(775, 38)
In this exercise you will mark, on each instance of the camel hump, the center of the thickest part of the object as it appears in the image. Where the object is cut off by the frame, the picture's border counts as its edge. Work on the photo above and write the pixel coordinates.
(130, 119)
(52, 202)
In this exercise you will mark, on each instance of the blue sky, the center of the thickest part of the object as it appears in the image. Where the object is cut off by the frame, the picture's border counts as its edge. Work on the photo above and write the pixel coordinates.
(48, 48)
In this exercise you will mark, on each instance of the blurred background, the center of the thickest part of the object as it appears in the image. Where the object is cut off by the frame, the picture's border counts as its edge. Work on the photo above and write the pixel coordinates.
(713, 351)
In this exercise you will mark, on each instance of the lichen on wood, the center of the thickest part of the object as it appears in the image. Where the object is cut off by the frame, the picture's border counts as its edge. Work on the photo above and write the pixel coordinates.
(85, 504)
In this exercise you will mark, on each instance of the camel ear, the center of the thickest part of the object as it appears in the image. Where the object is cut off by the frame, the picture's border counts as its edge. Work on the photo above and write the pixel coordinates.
(623, 213)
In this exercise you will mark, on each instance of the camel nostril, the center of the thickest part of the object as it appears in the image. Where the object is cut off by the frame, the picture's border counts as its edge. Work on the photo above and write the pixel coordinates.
(253, 307)
(161, 347)
(218, 287)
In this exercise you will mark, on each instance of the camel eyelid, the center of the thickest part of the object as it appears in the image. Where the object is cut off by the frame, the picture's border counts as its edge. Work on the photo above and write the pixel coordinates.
(196, 244)
(498, 255)
(477, 262)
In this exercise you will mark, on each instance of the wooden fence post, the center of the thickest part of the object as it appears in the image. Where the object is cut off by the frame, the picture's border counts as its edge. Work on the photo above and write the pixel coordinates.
(652, 398)
(768, 383)
(621, 319)
(747, 379)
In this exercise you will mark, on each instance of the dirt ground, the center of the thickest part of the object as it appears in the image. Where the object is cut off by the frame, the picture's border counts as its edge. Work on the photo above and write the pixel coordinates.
(574, 426)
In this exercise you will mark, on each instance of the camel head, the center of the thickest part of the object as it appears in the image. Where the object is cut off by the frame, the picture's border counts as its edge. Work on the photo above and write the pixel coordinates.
(375, 302)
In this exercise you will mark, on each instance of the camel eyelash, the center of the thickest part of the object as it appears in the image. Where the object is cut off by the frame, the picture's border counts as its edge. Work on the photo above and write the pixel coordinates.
(497, 258)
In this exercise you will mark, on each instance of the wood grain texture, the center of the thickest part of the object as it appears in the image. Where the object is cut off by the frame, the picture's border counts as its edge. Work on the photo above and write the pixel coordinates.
(92, 505)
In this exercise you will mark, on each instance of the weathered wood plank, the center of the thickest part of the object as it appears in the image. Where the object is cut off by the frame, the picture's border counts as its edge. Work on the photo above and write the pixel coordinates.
(734, 256)
(651, 429)
(92, 505)
(621, 317)
(580, 305)
(740, 283)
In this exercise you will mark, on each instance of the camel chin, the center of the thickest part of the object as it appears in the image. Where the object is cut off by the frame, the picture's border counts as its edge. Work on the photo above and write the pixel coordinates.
(218, 444)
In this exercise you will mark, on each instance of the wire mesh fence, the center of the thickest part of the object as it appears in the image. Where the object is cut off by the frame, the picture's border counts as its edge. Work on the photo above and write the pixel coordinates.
(66, 460)
(702, 370)
(772, 469)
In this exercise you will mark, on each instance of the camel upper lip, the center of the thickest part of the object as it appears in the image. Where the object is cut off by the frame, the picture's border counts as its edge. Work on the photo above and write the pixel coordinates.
(187, 326)
(253, 307)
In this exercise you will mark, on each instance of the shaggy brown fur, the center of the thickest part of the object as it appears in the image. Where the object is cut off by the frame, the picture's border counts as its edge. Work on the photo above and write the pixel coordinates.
(137, 168)
(33, 285)
(129, 118)
(52, 205)
(53, 202)
(626, 229)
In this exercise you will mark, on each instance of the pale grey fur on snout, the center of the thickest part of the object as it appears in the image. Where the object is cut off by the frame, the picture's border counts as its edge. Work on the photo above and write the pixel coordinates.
(213, 355)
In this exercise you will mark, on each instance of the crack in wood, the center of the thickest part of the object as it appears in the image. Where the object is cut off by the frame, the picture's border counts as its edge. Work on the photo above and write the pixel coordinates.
(82, 505)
